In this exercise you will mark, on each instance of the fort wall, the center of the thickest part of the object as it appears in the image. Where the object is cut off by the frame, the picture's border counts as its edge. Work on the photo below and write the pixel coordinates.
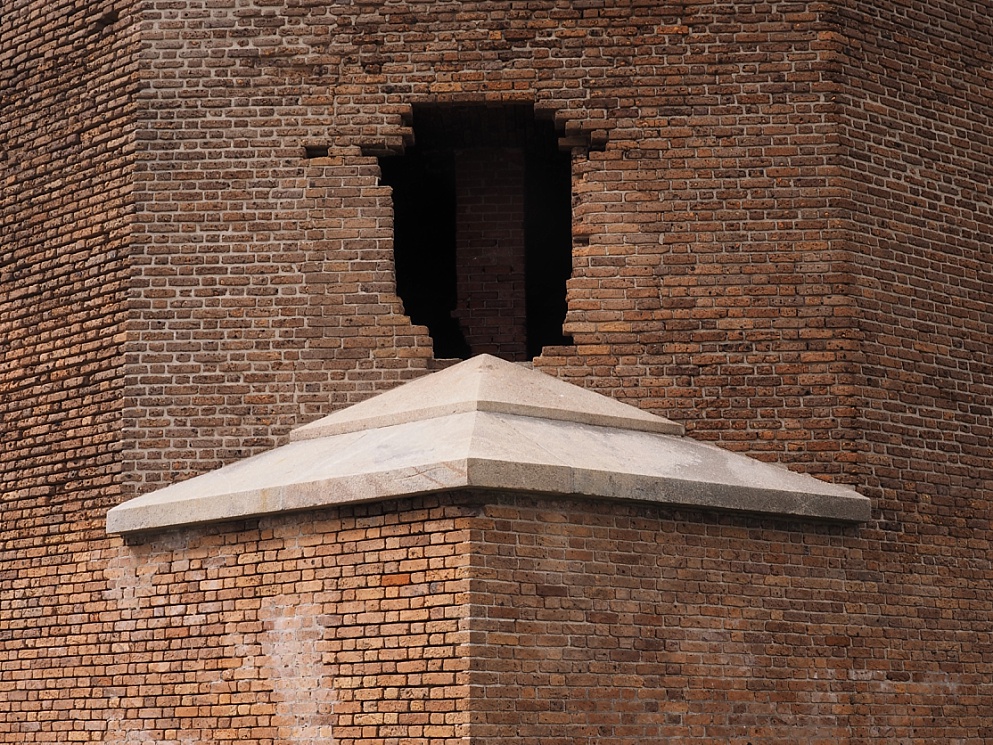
(780, 238)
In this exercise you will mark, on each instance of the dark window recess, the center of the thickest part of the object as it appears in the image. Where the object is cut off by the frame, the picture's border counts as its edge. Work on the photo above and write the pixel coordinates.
(483, 230)
(423, 184)
(316, 151)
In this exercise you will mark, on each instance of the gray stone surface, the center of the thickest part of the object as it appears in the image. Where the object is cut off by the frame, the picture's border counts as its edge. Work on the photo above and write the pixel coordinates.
(486, 427)
(487, 383)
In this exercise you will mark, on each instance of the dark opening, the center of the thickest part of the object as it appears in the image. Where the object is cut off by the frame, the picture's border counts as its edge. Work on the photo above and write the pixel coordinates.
(483, 229)
(109, 18)
(316, 151)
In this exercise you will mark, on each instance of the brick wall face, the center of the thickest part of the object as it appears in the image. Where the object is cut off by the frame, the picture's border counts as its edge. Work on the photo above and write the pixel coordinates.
(781, 238)
(601, 623)
(346, 625)
(66, 149)
(921, 216)
(705, 283)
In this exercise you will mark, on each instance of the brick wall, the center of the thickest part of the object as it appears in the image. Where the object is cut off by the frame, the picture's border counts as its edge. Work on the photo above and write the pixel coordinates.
(344, 625)
(264, 285)
(66, 150)
(628, 624)
(705, 181)
(489, 252)
(918, 105)
(514, 619)
(246, 322)
(781, 223)
(706, 284)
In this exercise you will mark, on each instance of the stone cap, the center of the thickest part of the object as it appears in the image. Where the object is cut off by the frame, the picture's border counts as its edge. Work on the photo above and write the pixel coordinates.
(487, 383)
(498, 437)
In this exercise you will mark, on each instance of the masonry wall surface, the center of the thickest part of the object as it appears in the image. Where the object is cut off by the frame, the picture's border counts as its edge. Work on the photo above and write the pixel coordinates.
(489, 254)
(706, 169)
(348, 625)
(918, 104)
(781, 221)
(67, 85)
(624, 624)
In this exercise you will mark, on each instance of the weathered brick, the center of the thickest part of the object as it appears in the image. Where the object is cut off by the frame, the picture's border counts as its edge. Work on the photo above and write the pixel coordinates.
(781, 220)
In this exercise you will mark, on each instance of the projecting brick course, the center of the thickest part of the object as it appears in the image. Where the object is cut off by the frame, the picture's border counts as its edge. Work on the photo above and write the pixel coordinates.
(781, 221)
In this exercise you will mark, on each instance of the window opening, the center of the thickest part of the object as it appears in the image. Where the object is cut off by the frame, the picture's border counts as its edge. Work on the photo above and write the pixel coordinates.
(483, 229)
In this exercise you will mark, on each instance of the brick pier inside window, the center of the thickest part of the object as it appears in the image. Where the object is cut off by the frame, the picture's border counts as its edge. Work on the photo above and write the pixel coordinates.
(482, 230)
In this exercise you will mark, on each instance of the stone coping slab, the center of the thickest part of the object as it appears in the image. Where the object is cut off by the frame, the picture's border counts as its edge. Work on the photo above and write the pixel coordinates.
(478, 448)
(487, 383)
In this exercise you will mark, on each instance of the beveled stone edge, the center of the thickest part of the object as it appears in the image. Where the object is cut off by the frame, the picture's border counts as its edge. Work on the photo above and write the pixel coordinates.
(491, 475)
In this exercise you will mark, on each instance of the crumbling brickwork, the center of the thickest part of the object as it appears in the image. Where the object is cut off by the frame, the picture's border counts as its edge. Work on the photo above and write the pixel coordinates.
(781, 221)
(705, 181)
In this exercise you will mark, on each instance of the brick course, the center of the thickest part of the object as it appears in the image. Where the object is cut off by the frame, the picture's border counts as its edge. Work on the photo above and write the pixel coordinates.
(781, 221)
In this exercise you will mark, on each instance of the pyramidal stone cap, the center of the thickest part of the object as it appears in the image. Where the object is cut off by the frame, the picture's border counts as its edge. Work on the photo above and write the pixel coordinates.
(490, 384)
(488, 424)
